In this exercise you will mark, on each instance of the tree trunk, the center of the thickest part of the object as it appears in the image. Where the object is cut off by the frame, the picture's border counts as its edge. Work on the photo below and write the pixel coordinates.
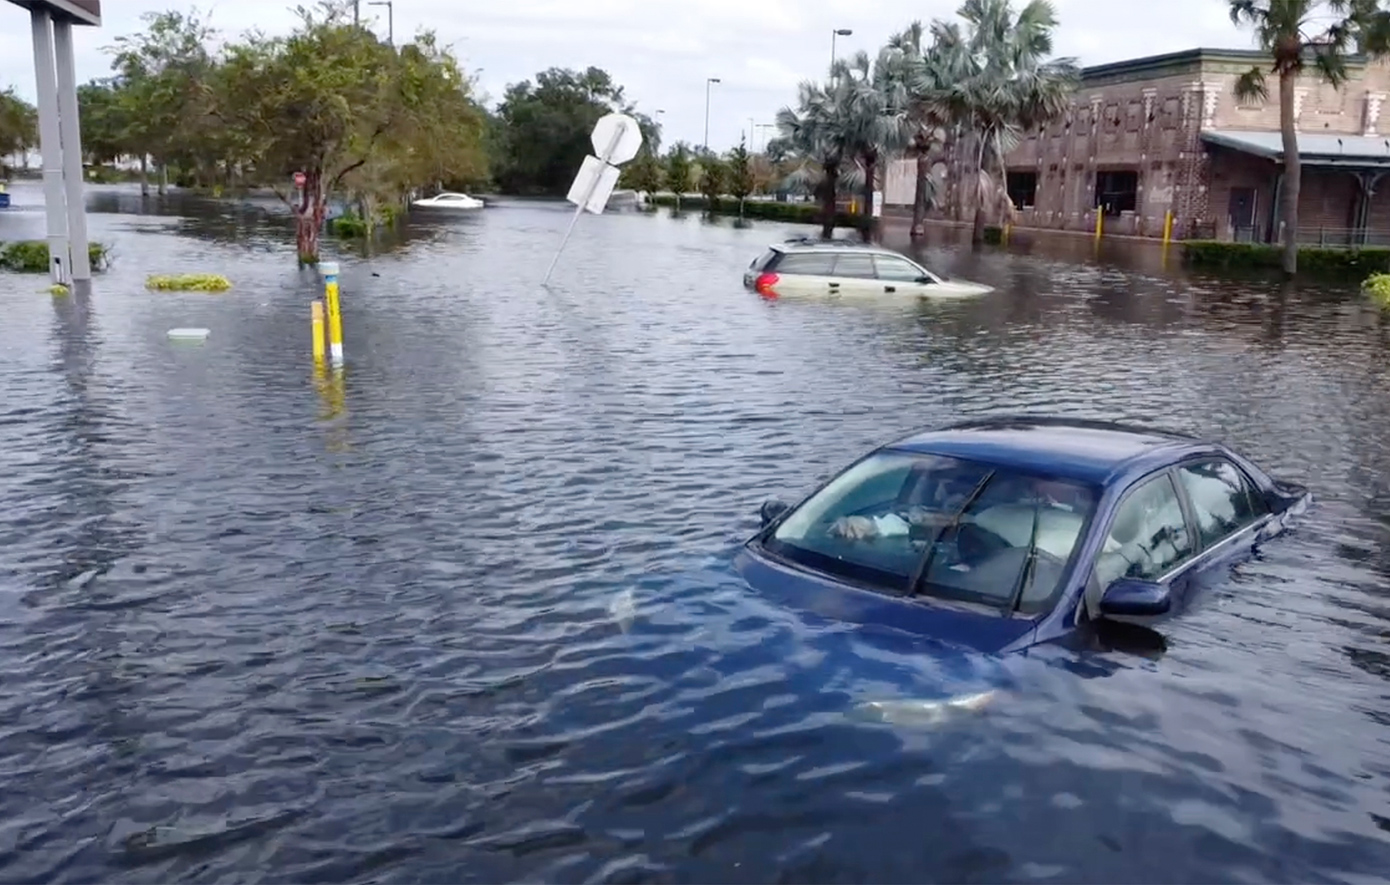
(308, 219)
(977, 230)
(144, 175)
(163, 178)
(1288, 212)
(919, 197)
(866, 215)
(827, 222)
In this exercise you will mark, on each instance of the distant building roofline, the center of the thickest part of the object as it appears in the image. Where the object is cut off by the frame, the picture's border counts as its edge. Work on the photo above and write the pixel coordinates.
(1134, 68)
(77, 12)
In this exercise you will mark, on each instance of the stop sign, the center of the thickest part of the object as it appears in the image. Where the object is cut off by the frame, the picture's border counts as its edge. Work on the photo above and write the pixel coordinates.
(299, 179)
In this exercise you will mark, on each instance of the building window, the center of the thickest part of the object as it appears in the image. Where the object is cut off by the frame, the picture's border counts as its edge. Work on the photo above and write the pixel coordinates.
(1023, 188)
(1117, 190)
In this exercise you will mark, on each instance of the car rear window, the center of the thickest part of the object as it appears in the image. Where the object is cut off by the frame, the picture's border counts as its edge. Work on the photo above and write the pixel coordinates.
(820, 264)
(760, 263)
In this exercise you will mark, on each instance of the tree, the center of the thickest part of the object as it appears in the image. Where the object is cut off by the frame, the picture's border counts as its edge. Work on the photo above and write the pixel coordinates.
(162, 74)
(712, 178)
(928, 71)
(104, 123)
(19, 123)
(678, 170)
(875, 110)
(643, 173)
(816, 136)
(1298, 35)
(542, 130)
(319, 101)
(1006, 85)
(740, 174)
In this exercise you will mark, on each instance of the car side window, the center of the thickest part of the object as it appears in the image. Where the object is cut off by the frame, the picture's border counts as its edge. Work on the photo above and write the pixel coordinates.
(860, 267)
(816, 264)
(1148, 537)
(896, 269)
(1224, 500)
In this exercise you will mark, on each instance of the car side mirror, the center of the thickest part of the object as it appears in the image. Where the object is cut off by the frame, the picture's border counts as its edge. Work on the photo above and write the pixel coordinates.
(772, 510)
(1135, 598)
(925, 280)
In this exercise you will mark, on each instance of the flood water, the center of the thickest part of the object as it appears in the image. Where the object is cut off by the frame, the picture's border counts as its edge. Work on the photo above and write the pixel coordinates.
(467, 612)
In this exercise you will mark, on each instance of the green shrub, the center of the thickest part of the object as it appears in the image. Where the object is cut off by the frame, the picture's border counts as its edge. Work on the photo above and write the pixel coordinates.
(349, 226)
(189, 282)
(31, 256)
(1312, 261)
(1377, 286)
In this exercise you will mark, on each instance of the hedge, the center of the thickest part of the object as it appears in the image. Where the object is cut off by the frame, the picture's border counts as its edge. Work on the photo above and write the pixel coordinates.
(767, 210)
(1311, 259)
(31, 256)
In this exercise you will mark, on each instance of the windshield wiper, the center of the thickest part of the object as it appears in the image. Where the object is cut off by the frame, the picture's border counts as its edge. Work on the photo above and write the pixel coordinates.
(1028, 563)
(941, 532)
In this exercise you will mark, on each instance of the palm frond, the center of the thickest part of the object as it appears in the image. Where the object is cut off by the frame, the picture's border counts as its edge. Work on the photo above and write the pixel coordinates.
(1251, 85)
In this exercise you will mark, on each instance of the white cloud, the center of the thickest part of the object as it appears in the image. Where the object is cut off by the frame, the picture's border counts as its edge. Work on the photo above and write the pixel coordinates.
(662, 51)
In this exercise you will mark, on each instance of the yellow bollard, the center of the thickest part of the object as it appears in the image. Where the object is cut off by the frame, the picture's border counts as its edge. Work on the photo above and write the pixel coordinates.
(1100, 222)
(1167, 227)
(316, 314)
(335, 316)
(1007, 227)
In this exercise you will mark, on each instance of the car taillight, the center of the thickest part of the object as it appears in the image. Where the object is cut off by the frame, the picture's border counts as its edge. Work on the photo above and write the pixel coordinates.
(764, 283)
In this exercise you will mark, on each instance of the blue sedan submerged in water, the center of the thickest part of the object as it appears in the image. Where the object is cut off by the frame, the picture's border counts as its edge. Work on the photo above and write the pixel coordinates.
(1001, 534)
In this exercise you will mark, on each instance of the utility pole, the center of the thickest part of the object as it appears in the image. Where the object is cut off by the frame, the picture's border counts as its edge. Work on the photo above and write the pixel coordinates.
(390, 18)
(838, 32)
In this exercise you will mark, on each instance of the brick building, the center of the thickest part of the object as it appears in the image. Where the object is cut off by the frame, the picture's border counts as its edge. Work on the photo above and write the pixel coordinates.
(1166, 132)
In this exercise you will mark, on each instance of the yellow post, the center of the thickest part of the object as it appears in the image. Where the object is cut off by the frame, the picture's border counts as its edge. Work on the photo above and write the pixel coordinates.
(1100, 222)
(1167, 227)
(316, 313)
(1007, 227)
(335, 316)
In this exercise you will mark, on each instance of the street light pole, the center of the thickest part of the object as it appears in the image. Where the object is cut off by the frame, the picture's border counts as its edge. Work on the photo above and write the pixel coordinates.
(708, 82)
(390, 18)
(840, 32)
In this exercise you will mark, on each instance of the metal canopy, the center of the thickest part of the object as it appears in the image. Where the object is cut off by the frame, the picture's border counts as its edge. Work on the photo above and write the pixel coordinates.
(77, 12)
(1315, 149)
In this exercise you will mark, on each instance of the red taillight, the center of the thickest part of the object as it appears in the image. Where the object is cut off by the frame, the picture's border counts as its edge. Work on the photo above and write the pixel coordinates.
(764, 283)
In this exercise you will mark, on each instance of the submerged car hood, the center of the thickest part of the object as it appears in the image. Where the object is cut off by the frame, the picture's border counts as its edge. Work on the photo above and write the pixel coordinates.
(797, 588)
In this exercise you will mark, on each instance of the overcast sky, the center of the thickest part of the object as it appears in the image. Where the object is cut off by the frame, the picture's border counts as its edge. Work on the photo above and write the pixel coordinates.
(662, 51)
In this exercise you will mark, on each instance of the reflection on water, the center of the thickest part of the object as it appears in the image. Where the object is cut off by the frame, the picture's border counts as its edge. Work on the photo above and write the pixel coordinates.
(467, 604)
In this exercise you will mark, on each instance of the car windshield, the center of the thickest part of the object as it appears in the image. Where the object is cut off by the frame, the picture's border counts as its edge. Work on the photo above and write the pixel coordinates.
(960, 529)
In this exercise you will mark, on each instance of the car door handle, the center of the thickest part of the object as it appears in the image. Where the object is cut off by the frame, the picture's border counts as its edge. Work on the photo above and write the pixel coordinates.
(890, 288)
(834, 285)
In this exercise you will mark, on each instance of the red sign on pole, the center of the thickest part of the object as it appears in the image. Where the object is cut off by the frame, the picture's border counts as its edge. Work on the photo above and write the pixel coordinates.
(299, 179)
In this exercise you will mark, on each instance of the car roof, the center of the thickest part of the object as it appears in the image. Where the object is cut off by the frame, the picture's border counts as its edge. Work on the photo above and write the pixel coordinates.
(1097, 452)
(815, 244)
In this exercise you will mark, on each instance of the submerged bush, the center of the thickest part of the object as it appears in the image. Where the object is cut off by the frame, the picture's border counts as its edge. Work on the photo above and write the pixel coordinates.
(1312, 261)
(31, 256)
(1377, 286)
(189, 282)
(349, 226)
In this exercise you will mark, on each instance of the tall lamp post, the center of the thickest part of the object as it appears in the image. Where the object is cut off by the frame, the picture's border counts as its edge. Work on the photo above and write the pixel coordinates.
(838, 32)
(390, 18)
(708, 82)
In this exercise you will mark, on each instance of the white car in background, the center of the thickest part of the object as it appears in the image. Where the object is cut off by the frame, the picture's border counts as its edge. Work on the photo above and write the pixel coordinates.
(448, 200)
(844, 269)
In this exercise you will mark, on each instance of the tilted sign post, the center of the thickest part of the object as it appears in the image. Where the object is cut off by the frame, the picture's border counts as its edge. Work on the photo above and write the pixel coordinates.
(616, 139)
(60, 135)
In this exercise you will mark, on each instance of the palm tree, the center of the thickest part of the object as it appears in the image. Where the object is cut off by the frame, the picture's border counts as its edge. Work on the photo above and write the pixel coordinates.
(1006, 86)
(815, 136)
(875, 99)
(1299, 34)
(928, 72)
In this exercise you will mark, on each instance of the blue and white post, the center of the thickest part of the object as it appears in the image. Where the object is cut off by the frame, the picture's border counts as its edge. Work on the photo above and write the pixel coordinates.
(329, 269)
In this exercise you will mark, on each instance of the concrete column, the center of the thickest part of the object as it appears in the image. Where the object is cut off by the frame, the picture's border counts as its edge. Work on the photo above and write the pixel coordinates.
(50, 146)
(70, 127)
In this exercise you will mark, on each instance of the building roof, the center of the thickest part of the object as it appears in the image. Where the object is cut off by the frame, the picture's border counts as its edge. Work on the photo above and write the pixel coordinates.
(1186, 61)
(77, 12)
(1091, 451)
(1314, 148)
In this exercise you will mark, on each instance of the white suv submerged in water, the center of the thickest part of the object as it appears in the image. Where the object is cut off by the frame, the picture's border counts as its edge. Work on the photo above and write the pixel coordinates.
(842, 269)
